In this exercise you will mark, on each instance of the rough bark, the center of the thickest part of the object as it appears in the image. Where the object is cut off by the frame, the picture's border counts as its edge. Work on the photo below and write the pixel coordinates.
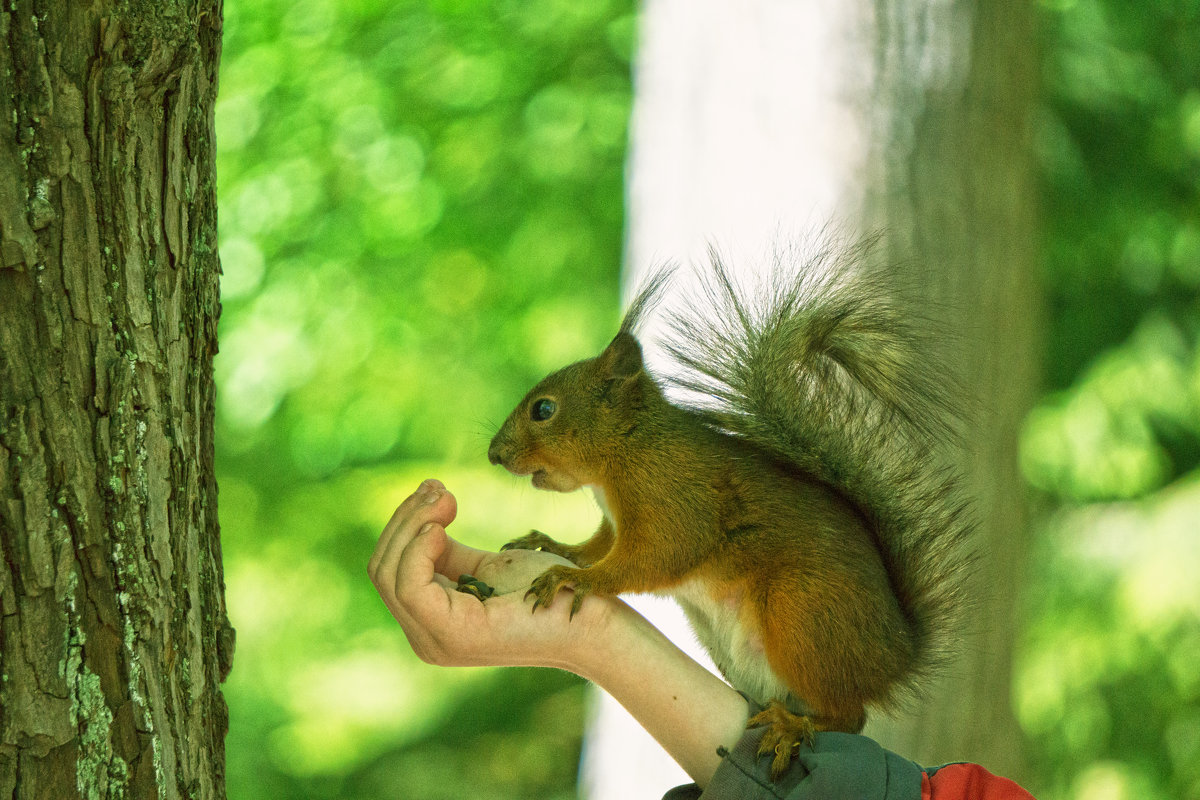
(767, 118)
(113, 632)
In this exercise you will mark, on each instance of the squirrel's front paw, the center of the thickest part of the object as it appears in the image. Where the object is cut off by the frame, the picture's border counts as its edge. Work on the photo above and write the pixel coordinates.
(534, 540)
(546, 586)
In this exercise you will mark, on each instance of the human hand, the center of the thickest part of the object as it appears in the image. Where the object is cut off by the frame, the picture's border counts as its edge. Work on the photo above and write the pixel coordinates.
(514, 571)
(415, 567)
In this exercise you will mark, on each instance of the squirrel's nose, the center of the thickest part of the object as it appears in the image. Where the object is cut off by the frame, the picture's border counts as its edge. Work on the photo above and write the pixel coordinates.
(494, 452)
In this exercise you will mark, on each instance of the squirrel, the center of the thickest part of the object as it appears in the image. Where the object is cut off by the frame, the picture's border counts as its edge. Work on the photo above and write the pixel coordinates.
(797, 508)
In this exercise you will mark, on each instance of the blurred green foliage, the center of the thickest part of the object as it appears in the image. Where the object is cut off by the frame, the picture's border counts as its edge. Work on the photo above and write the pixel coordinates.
(1108, 675)
(421, 209)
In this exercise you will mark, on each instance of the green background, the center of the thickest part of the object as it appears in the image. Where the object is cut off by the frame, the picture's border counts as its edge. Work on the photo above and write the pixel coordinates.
(421, 210)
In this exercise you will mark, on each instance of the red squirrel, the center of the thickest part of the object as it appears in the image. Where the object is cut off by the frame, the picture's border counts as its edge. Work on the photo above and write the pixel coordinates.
(798, 512)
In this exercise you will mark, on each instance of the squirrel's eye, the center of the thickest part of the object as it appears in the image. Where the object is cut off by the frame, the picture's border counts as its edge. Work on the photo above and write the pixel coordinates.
(542, 410)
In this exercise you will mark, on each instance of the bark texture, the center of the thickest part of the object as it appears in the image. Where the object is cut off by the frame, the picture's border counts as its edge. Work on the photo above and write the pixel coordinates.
(769, 118)
(113, 632)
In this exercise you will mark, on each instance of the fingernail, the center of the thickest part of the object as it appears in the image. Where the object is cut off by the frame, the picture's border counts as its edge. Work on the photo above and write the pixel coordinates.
(431, 497)
(426, 528)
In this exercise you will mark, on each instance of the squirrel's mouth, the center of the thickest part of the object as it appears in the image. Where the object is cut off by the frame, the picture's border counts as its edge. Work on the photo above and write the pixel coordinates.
(542, 477)
(553, 481)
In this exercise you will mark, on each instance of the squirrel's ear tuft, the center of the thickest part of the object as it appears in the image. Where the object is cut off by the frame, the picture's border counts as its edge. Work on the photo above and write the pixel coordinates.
(623, 356)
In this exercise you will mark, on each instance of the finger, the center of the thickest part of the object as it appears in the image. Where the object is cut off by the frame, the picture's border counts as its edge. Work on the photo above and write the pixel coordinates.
(431, 503)
(429, 490)
(416, 573)
(395, 536)
(424, 601)
(411, 596)
(399, 516)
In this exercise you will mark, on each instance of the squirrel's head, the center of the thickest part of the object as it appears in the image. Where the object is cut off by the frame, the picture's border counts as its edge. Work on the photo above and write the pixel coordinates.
(568, 426)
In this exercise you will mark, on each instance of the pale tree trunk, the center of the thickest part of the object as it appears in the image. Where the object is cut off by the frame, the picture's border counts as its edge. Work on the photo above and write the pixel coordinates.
(951, 176)
(113, 634)
(770, 118)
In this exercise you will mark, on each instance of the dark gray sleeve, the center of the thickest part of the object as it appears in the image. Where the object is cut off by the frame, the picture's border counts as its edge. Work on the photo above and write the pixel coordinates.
(840, 766)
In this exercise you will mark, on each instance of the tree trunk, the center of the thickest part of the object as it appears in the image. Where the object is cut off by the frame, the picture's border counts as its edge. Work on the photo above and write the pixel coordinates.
(768, 118)
(113, 633)
(952, 180)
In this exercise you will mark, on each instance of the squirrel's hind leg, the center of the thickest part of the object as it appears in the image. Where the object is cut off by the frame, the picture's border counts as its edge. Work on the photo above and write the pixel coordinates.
(786, 731)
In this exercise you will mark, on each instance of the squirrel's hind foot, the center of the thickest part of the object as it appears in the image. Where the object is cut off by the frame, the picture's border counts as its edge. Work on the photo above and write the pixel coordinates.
(786, 731)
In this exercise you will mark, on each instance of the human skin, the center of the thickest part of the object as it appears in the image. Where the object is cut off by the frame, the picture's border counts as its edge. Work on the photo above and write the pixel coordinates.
(415, 567)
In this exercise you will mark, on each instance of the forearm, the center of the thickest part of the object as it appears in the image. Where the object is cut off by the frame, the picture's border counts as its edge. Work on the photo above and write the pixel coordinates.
(687, 709)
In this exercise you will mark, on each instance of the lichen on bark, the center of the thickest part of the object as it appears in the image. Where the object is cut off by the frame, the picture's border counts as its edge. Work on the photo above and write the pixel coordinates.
(113, 632)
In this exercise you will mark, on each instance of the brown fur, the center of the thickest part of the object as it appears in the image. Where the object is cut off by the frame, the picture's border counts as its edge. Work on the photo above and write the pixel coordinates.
(802, 524)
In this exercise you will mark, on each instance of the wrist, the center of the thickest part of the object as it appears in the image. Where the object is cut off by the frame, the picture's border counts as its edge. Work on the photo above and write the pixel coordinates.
(690, 711)
(599, 635)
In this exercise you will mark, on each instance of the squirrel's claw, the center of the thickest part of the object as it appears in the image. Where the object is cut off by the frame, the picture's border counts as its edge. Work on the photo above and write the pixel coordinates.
(534, 540)
(576, 603)
(545, 587)
(786, 732)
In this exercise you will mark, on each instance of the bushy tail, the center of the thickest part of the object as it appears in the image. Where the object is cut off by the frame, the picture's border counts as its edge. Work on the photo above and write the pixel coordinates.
(828, 369)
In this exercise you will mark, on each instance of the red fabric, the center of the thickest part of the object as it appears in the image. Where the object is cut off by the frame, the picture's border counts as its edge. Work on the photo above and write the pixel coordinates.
(969, 782)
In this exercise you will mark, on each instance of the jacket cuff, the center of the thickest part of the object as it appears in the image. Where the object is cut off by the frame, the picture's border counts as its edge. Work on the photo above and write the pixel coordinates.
(840, 766)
